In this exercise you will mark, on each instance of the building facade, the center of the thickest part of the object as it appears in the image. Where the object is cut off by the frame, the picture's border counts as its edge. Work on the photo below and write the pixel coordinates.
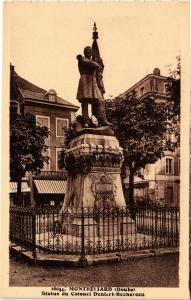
(160, 182)
(55, 113)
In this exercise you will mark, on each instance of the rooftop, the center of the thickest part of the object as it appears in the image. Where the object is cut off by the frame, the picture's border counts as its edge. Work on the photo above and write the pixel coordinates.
(27, 90)
(156, 74)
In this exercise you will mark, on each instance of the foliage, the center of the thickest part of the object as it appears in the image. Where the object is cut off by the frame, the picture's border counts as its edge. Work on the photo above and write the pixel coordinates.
(173, 85)
(175, 73)
(27, 144)
(72, 165)
(141, 126)
(69, 133)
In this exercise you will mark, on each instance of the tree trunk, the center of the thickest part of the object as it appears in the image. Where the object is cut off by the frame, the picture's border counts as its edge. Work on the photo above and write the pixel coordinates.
(19, 193)
(131, 194)
(32, 201)
(123, 176)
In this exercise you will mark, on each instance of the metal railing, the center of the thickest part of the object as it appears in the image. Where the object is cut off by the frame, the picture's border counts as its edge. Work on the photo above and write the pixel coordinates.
(87, 231)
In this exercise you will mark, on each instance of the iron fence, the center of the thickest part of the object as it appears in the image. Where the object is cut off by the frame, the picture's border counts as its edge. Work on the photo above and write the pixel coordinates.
(88, 231)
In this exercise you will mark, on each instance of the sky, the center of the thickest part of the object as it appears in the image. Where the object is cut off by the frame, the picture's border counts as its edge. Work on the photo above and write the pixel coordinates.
(42, 41)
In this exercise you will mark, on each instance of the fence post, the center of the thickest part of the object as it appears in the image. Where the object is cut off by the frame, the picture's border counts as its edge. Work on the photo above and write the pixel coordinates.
(34, 235)
(82, 260)
(177, 230)
(156, 227)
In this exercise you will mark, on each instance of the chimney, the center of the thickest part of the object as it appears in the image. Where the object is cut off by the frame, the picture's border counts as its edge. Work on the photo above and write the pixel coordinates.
(156, 71)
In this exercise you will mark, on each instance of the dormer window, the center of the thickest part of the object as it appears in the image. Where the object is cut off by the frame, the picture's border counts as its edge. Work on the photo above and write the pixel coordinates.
(51, 96)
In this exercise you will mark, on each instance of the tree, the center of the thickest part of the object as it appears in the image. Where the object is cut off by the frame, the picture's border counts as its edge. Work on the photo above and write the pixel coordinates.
(27, 144)
(141, 127)
(69, 133)
(173, 84)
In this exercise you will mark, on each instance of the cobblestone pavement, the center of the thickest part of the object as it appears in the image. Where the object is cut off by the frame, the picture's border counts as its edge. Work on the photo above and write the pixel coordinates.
(159, 271)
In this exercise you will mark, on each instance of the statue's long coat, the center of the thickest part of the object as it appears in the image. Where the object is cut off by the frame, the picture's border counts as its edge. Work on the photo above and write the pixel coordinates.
(88, 88)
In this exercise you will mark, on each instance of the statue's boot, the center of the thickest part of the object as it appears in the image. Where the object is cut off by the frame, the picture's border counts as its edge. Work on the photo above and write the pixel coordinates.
(87, 121)
(102, 120)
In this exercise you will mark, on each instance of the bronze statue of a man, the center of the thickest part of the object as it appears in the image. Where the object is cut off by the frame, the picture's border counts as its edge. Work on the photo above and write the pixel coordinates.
(89, 91)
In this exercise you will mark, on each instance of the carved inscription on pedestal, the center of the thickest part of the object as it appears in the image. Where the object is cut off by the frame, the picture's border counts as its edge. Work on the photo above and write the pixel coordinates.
(103, 189)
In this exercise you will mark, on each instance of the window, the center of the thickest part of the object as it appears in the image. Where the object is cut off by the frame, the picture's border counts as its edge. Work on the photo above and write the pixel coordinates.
(169, 137)
(52, 98)
(46, 165)
(147, 169)
(51, 95)
(141, 91)
(43, 121)
(14, 107)
(13, 111)
(60, 125)
(58, 152)
(169, 166)
(155, 85)
(52, 203)
(164, 87)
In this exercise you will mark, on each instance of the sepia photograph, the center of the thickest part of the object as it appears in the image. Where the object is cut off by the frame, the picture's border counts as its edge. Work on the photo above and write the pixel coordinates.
(95, 124)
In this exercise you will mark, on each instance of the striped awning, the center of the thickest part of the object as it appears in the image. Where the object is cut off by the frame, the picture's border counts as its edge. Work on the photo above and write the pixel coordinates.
(50, 186)
(13, 187)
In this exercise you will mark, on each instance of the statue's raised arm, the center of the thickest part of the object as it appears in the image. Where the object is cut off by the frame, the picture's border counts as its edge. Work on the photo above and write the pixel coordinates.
(84, 63)
(88, 90)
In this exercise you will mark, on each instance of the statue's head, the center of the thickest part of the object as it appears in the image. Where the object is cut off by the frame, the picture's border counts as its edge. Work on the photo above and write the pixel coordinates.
(88, 51)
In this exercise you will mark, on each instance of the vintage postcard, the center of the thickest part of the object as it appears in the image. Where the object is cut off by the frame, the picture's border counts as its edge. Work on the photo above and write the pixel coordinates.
(95, 150)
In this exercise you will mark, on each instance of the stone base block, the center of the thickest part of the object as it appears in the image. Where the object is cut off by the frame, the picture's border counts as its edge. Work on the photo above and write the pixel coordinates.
(75, 228)
(103, 229)
(116, 228)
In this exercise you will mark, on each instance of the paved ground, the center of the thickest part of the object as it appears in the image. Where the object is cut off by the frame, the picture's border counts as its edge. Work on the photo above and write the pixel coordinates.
(160, 271)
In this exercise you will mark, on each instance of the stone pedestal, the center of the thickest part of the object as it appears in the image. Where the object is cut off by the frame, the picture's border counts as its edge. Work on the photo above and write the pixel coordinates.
(94, 181)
